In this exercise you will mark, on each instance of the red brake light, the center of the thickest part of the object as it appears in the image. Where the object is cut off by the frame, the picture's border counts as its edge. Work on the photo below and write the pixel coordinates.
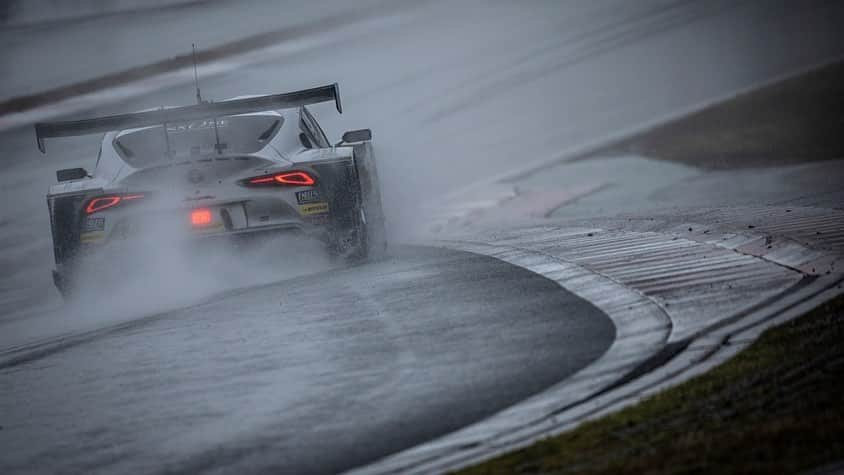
(287, 178)
(104, 202)
(201, 217)
(99, 204)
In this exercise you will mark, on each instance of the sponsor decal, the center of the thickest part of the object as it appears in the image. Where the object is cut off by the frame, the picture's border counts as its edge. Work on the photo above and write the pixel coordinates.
(91, 237)
(200, 198)
(308, 196)
(197, 125)
(313, 208)
(93, 224)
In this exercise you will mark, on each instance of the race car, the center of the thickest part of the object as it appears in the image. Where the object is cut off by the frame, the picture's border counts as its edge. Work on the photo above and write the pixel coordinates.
(243, 167)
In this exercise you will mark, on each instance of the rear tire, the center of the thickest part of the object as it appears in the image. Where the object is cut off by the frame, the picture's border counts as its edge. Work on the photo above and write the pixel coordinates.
(348, 237)
(64, 283)
(357, 232)
(359, 250)
(372, 214)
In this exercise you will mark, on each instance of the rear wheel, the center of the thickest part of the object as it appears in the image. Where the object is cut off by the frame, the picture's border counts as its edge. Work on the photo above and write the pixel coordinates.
(64, 283)
(348, 236)
(359, 250)
(357, 229)
(371, 212)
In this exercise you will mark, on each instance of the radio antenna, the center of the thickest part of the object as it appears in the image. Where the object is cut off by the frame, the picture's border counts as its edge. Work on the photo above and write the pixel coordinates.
(195, 76)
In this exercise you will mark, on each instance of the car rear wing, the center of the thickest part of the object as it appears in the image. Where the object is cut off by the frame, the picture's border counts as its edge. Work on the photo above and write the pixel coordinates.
(205, 110)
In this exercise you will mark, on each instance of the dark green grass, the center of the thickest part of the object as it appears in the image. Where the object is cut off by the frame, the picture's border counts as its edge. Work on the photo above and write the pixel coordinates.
(797, 120)
(777, 407)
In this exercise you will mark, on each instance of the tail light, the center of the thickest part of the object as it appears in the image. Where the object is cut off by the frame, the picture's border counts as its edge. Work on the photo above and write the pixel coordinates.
(201, 217)
(295, 178)
(104, 202)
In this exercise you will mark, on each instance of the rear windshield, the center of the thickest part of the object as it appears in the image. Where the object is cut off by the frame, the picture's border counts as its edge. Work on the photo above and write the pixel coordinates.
(238, 134)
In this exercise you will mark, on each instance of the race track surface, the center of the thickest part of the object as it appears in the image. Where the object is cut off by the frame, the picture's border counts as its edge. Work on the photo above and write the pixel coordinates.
(325, 372)
(316, 374)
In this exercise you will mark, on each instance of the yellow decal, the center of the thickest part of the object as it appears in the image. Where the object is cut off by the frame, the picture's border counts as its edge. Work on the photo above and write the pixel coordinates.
(210, 228)
(313, 208)
(91, 237)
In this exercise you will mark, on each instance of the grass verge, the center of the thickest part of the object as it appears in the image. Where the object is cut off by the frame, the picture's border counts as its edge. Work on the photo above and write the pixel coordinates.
(777, 407)
(792, 121)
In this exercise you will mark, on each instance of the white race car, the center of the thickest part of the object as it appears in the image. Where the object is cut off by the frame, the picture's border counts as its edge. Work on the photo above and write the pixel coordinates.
(242, 167)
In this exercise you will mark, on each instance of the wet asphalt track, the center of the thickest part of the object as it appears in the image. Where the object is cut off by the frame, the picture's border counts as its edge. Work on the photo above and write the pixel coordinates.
(313, 375)
(323, 373)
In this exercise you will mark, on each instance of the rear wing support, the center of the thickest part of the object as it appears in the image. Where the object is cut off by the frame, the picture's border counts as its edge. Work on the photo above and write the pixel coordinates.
(206, 110)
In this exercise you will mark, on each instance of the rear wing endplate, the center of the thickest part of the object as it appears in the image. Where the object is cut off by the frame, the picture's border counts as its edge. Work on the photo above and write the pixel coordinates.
(205, 110)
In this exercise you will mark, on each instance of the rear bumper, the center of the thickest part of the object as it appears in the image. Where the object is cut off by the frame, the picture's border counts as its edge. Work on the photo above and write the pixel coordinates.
(164, 234)
(246, 236)
(118, 258)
